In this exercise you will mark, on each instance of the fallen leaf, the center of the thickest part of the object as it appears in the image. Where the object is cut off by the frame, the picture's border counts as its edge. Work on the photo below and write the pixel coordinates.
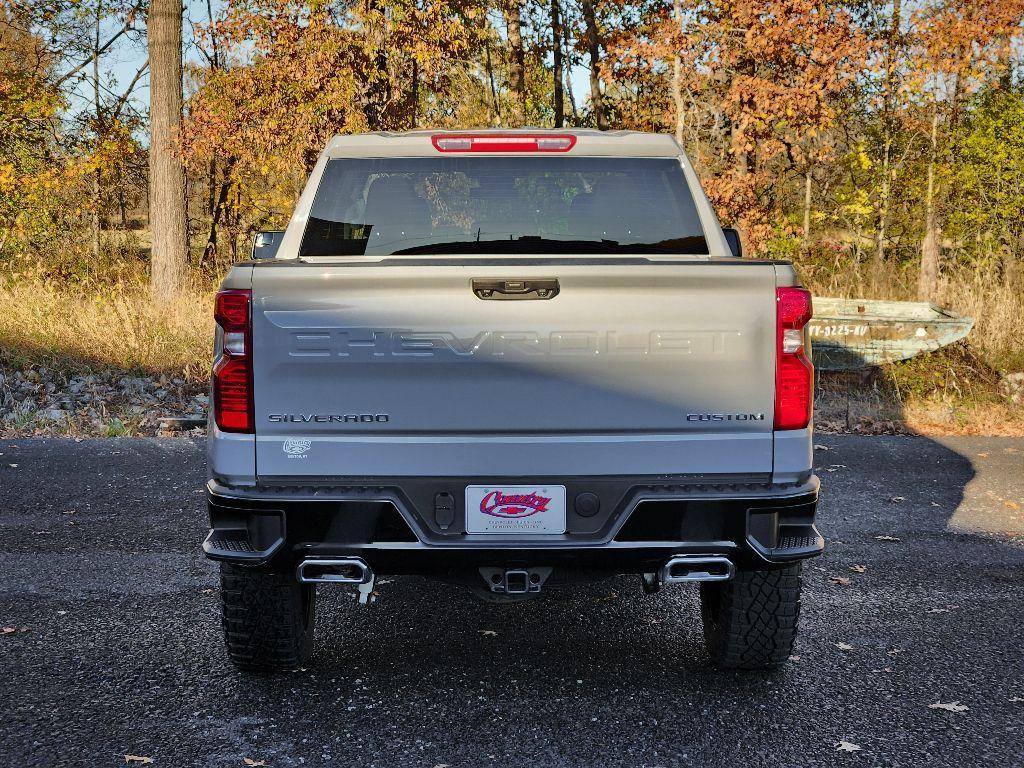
(897, 499)
(844, 647)
(841, 580)
(488, 632)
(137, 759)
(251, 762)
(983, 455)
(797, 658)
(887, 538)
(822, 448)
(858, 568)
(8, 630)
(1011, 504)
(953, 706)
(15, 466)
(207, 591)
(846, 746)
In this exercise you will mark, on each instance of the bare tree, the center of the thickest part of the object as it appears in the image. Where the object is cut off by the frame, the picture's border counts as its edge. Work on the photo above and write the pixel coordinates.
(517, 61)
(166, 173)
(97, 199)
(594, 49)
(558, 101)
(928, 278)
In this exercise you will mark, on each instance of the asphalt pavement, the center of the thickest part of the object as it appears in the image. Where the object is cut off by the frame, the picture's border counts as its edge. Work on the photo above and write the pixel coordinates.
(111, 641)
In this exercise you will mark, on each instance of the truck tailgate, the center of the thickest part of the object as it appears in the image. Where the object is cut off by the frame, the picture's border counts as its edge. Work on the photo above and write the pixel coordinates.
(399, 369)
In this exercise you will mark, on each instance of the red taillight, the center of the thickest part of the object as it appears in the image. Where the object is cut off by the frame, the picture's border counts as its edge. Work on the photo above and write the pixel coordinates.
(511, 142)
(794, 373)
(232, 371)
(231, 310)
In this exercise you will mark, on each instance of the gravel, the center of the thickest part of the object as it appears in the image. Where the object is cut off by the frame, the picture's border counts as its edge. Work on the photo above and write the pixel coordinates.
(115, 645)
(46, 401)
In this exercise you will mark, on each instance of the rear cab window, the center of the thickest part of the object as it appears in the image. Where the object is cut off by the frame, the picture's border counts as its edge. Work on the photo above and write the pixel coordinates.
(522, 204)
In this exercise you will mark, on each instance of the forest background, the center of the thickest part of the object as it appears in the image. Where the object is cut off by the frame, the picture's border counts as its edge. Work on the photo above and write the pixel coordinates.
(879, 145)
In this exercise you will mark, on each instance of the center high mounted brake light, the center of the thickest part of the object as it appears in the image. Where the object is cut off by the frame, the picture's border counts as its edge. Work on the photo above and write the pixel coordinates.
(511, 142)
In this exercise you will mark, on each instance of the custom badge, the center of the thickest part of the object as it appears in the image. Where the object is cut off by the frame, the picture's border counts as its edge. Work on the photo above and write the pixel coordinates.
(498, 504)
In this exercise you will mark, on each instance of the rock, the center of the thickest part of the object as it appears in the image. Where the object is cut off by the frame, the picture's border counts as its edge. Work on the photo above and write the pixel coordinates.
(1012, 385)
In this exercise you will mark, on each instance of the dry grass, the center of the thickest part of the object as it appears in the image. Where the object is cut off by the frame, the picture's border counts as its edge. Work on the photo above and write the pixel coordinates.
(998, 311)
(955, 391)
(113, 328)
(950, 392)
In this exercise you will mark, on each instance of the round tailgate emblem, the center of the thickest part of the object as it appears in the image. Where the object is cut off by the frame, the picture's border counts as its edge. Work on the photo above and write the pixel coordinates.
(293, 446)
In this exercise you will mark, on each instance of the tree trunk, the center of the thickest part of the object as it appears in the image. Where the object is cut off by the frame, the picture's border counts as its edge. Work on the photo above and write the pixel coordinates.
(894, 38)
(166, 174)
(882, 215)
(677, 75)
(96, 188)
(928, 277)
(517, 62)
(415, 96)
(807, 208)
(594, 49)
(558, 99)
(377, 101)
(568, 76)
(218, 202)
(490, 78)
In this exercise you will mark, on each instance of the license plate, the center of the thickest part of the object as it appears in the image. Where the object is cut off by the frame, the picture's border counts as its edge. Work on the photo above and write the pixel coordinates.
(515, 509)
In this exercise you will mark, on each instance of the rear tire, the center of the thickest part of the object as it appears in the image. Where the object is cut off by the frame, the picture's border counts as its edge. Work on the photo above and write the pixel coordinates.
(750, 622)
(268, 619)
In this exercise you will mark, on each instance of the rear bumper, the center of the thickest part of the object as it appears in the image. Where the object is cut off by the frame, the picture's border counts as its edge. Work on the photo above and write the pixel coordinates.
(396, 526)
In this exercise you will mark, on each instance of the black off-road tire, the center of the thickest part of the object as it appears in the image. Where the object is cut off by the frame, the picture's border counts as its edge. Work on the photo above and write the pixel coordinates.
(750, 622)
(268, 619)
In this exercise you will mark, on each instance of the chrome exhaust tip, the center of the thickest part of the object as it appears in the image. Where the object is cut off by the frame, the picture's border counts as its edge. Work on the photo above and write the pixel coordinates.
(686, 568)
(334, 570)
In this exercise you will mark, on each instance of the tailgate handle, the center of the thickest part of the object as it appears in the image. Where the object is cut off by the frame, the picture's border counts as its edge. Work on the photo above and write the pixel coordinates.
(514, 290)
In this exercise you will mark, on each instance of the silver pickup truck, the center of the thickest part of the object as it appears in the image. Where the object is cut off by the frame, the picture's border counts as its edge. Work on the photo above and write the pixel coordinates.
(511, 360)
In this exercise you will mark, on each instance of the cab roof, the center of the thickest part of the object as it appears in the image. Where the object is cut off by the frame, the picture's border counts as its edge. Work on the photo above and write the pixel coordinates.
(588, 142)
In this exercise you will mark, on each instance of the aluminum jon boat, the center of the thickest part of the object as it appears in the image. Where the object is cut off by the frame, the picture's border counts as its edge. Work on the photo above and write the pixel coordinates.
(850, 334)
